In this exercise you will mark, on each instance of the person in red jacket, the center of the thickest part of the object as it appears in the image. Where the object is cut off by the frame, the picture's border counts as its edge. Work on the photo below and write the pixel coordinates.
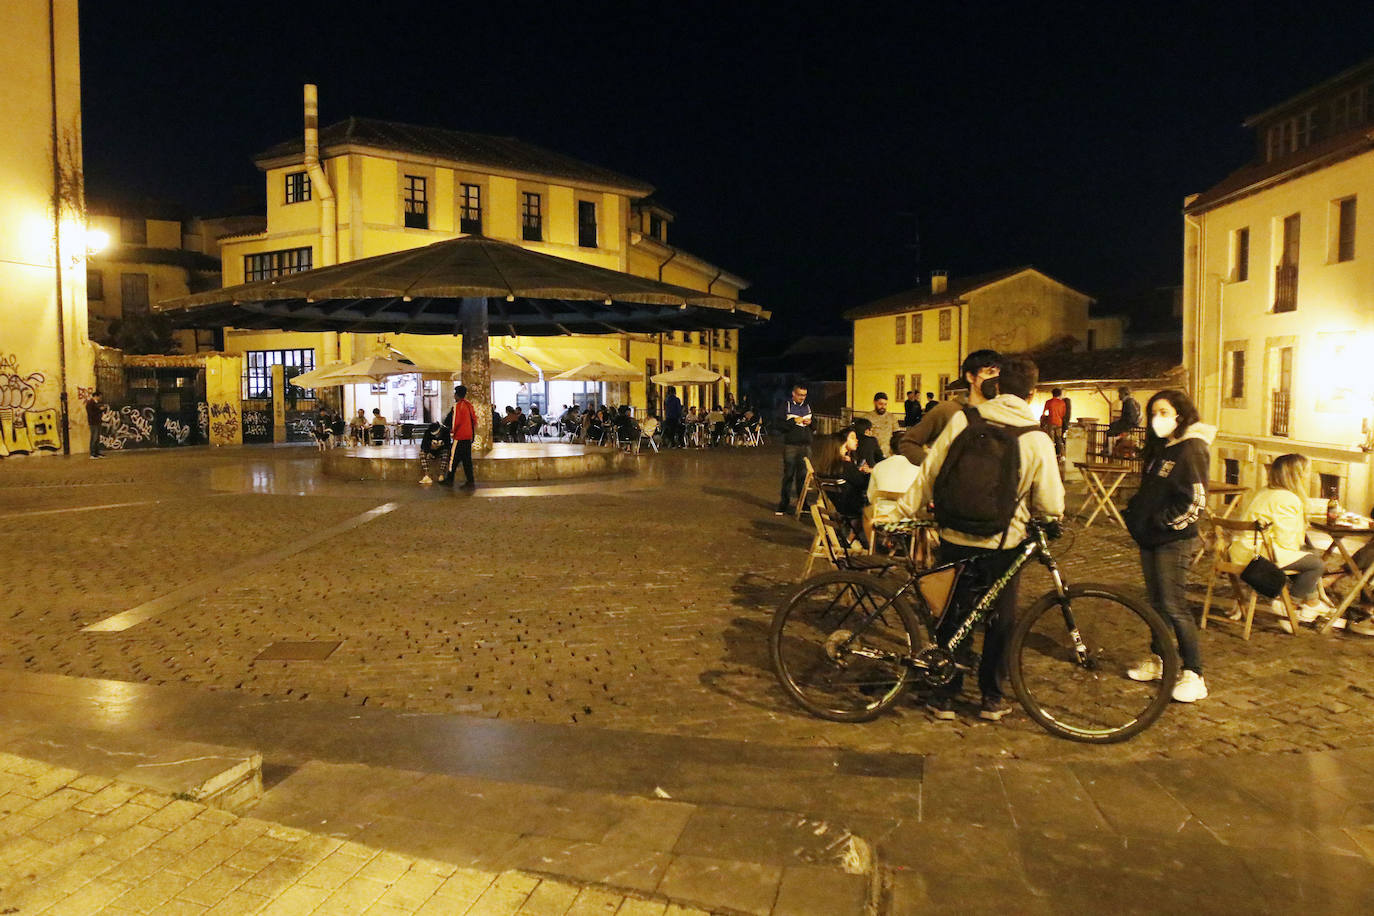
(462, 425)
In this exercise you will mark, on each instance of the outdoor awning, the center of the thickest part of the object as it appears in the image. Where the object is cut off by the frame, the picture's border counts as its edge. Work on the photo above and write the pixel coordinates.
(420, 291)
(553, 360)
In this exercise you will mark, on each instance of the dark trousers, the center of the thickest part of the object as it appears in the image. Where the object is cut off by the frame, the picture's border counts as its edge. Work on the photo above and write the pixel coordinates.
(1305, 574)
(983, 567)
(95, 439)
(462, 454)
(1166, 573)
(793, 473)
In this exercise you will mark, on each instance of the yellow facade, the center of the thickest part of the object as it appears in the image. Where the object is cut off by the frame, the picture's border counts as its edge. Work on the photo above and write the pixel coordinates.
(45, 353)
(916, 341)
(369, 186)
(1242, 353)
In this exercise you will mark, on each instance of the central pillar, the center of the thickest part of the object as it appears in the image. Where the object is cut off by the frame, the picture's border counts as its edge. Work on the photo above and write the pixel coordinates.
(472, 314)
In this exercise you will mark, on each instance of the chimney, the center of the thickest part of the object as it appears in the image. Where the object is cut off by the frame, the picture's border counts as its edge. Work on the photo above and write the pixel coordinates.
(939, 281)
(319, 184)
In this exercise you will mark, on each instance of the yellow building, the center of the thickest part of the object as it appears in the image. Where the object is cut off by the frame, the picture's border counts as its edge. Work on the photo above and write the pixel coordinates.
(374, 187)
(1279, 292)
(916, 339)
(45, 355)
(152, 254)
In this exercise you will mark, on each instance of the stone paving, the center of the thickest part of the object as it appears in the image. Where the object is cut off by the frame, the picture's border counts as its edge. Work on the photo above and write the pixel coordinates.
(638, 604)
(74, 844)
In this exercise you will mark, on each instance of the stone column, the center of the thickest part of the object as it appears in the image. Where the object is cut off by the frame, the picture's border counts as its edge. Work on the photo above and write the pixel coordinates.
(477, 368)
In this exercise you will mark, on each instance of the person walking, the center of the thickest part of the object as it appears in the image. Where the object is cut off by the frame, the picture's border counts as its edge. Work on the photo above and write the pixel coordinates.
(462, 426)
(672, 418)
(1054, 418)
(1162, 519)
(796, 442)
(95, 413)
(976, 527)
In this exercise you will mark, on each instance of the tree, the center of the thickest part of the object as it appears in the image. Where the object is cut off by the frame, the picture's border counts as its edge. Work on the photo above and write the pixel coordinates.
(143, 333)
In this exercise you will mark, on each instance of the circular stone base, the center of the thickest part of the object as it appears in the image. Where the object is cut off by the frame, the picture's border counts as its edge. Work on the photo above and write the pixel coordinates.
(506, 461)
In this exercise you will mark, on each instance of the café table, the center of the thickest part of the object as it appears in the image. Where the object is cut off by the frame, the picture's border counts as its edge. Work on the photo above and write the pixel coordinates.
(1103, 480)
(1361, 528)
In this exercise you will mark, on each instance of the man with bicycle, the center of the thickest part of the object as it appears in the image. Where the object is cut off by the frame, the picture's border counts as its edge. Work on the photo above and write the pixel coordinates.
(990, 470)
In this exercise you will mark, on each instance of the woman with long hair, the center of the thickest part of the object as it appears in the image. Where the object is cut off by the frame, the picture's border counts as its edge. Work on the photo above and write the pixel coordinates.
(835, 459)
(1282, 506)
(1162, 519)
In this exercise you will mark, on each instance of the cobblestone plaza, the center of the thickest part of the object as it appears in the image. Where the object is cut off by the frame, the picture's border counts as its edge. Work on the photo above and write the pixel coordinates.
(608, 640)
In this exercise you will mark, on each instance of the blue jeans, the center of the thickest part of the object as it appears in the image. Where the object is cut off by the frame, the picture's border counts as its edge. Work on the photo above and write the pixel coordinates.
(793, 473)
(1305, 573)
(1166, 573)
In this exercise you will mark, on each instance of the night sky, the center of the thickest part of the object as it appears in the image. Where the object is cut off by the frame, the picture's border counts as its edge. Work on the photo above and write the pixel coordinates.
(806, 148)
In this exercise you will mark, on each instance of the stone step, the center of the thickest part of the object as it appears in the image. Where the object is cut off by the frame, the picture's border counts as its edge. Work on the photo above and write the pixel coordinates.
(228, 778)
(719, 857)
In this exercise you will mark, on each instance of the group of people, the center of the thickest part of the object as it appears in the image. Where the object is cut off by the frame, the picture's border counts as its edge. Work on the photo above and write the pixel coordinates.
(708, 426)
(883, 471)
(516, 425)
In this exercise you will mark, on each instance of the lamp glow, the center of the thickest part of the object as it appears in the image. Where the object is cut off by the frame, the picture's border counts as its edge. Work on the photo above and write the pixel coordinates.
(96, 240)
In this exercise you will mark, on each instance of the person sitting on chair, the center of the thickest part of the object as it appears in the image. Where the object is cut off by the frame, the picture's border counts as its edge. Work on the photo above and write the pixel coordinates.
(1282, 506)
(836, 459)
(378, 426)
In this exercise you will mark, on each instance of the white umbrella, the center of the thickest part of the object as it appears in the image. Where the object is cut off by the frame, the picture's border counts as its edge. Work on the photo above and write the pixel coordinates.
(597, 372)
(376, 369)
(315, 377)
(687, 375)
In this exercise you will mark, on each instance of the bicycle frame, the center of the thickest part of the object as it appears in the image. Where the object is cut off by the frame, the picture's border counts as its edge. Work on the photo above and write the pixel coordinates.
(1034, 546)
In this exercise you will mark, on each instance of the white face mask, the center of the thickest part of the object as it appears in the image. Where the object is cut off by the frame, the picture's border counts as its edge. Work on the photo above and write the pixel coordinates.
(1164, 426)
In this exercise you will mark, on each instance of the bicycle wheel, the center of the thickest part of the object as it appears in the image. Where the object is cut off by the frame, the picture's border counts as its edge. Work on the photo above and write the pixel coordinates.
(1068, 664)
(840, 644)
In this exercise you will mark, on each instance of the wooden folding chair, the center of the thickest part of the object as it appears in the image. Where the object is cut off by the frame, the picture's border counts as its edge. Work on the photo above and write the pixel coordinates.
(1227, 531)
(809, 484)
(829, 547)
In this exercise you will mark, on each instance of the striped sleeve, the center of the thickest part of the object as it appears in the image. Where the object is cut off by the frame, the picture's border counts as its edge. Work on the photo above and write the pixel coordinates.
(1193, 511)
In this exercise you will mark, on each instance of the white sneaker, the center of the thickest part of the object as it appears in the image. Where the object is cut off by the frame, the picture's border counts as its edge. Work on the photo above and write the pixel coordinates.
(1190, 687)
(1149, 669)
(1310, 612)
(425, 480)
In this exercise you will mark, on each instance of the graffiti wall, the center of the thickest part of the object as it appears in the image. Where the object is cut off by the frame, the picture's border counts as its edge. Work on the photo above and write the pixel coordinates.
(128, 428)
(24, 427)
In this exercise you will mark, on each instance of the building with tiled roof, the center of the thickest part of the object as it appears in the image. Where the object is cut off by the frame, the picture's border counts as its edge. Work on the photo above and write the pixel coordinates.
(367, 187)
(915, 340)
(1278, 292)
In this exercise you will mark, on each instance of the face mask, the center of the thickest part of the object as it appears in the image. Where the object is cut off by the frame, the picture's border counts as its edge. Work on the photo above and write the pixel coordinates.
(1164, 426)
(989, 388)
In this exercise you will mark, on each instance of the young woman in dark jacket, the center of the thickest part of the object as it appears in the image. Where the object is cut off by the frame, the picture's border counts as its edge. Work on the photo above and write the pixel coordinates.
(1162, 518)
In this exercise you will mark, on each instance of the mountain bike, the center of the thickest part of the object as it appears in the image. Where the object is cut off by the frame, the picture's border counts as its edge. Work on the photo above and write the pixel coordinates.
(848, 645)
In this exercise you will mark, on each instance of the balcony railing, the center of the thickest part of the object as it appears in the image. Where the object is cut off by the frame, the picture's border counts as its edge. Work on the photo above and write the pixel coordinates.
(1278, 417)
(1285, 287)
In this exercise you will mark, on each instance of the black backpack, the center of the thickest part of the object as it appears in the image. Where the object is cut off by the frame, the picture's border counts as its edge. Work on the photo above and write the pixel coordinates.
(976, 489)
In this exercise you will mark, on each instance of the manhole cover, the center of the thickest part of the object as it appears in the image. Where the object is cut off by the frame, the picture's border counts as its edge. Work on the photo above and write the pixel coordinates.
(297, 651)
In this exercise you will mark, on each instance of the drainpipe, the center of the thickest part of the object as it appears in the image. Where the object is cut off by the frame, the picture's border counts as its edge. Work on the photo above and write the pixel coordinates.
(660, 333)
(329, 223)
(1198, 288)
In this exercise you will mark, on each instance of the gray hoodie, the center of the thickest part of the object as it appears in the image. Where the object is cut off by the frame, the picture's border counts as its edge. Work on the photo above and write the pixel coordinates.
(1041, 490)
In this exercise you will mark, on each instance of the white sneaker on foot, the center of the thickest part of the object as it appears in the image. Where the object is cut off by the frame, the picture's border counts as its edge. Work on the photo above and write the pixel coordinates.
(1149, 669)
(1190, 687)
(426, 480)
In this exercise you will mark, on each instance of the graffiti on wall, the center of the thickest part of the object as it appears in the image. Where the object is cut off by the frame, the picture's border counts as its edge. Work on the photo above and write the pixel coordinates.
(257, 423)
(203, 420)
(177, 431)
(127, 427)
(224, 422)
(23, 427)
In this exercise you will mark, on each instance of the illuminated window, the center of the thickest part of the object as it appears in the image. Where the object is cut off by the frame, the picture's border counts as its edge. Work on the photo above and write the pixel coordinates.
(268, 264)
(916, 384)
(1240, 255)
(257, 371)
(946, 324)
(1345, 229)
(133, 294)
(470, 209)
(901, 329)
(416, 203)
(918, 327)
(586, 224)
(297, 187)
(532, 216)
